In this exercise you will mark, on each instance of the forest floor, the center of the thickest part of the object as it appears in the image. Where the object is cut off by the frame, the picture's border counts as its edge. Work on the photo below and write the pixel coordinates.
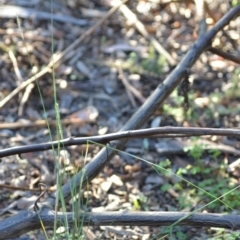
(100, 84)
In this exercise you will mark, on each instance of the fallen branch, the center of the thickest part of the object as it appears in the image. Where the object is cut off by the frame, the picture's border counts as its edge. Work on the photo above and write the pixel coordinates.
(28, 220)
(160, 132)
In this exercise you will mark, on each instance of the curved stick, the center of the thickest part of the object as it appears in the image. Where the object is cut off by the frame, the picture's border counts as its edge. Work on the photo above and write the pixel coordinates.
(158, 132)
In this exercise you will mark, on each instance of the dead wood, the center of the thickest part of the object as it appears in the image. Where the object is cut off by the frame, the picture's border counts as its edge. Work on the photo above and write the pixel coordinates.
(159, 132)
(28, 220)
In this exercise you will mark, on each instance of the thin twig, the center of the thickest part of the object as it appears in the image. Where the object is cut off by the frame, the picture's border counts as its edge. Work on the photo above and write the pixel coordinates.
(160, 132)
(225, 55)
(15, 66)
(36, 207)
(125, 83)
(129, 87)
(25, 97)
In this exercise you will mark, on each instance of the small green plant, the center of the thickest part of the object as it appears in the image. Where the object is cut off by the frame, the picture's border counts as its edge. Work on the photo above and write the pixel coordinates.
(196, 151)
(219, 186)
(175, 107)
(140, 203)
(235, 3)
(233, 90)
(215, 153)
(153, 63)
(181, 235)
(214, 180)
